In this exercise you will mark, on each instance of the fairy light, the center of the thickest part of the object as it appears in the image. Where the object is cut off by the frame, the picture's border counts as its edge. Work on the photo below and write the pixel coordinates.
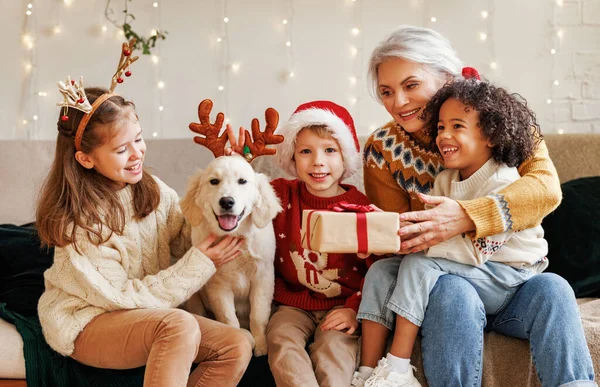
(433, 19)
(104, 28)
(235, 67)
(56, 30)
(158, 70)
(288, 35)
(555, 41)
(225, 66)
(356, 50)
(31, 106)
(561, 131)
(487, 36)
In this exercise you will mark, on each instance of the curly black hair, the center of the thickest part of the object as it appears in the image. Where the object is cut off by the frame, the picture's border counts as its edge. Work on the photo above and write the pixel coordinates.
(504, 118)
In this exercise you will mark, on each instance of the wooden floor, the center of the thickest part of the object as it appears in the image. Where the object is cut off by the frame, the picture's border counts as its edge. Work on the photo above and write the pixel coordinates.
(12, 383)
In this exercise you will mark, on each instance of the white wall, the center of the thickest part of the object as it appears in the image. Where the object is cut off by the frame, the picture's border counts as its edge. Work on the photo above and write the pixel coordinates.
(521, 36)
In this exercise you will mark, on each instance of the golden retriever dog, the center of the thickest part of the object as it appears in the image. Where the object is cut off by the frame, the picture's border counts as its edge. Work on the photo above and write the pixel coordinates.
(228, 197)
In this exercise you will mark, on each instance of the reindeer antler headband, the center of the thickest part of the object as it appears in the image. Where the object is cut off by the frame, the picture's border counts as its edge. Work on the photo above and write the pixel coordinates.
(74, 94)
(255, 146)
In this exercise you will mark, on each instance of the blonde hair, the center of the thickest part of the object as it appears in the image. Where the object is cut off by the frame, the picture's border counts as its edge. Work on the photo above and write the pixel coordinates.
(416, 44)
(74, 197)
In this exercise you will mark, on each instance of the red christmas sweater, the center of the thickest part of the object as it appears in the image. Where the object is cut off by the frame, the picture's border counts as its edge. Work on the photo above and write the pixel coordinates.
(307, 279)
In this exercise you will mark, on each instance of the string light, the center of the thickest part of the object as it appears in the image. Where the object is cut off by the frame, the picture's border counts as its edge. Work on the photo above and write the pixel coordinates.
(487, 36)
(356, 49)
(158, 69)
(556, 82)
(288, 29)
(433, 19)
(235, 67)
(553, 51)
(549, 101)
(29, 38)
(225, 67)
(556, 42)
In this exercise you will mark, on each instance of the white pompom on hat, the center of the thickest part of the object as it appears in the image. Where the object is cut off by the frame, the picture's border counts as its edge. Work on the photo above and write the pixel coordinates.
(336, 119)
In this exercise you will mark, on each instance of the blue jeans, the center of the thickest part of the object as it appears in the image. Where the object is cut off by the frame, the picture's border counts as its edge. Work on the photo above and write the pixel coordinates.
(543, 310)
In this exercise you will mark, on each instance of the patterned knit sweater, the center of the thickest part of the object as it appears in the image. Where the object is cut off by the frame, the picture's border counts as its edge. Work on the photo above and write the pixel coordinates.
(398, 165)
(128, 271)
(524, 249)
(307, 279)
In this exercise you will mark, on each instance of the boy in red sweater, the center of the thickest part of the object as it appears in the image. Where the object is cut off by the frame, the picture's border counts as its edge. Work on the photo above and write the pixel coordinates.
(317, 294)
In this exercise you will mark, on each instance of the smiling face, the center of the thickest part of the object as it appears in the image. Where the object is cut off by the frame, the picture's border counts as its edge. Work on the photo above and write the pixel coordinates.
(405, 88)
(121, 158)
(319, 163)
(460, 139)
(229, 190)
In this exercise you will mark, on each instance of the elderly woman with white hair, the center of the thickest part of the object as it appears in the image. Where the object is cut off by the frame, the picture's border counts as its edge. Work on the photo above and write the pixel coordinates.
(400, 166)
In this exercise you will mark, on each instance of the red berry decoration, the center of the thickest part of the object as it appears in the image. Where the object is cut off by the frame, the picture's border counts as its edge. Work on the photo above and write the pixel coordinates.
(126, 52)
(80, 100)
(72, 82)
(64, 118)
(127, 73)
(119, 80)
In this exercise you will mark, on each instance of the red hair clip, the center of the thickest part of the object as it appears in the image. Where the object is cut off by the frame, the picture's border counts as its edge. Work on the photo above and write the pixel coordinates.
(470, 72)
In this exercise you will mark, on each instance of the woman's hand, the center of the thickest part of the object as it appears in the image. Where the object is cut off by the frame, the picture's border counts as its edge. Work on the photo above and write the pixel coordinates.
(224, 251)
(446, 220)
(340, 319)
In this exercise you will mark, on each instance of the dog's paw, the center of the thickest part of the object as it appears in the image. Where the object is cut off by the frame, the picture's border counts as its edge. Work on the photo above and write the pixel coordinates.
(260, 346)
(249, 337)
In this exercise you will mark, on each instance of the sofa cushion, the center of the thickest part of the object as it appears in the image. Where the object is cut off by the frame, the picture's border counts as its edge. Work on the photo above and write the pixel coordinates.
(573, 235)
(23, 263)
(12, 362)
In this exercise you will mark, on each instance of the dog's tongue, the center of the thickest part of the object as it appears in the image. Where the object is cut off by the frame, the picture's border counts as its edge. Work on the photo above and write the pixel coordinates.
(227, 222)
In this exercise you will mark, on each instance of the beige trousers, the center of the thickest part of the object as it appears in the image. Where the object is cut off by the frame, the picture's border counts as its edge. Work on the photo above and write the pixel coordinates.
(167, 341)
(330, 359)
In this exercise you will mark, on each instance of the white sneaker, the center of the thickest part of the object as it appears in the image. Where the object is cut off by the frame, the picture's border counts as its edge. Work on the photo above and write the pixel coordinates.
(357, 380)
(384, 375)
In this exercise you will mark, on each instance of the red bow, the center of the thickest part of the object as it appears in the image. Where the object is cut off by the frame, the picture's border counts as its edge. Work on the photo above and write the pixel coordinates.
(470, 72)
(350, 207)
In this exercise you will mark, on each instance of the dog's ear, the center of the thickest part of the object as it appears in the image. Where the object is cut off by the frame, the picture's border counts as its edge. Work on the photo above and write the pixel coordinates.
(267, 204)
(190, 210)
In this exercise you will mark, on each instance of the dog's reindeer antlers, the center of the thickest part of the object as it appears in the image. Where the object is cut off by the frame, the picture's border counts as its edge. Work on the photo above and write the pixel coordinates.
(209, 133)
(211, 139)
(258, 147)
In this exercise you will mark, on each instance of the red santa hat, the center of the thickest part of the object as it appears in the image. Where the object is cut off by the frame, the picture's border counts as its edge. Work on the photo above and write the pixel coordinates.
(336, 119)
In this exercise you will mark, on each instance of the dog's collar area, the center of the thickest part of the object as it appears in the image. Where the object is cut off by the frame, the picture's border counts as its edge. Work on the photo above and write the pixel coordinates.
(229, 222)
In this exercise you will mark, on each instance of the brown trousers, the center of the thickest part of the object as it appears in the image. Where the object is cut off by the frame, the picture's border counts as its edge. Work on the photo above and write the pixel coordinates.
(167, 341)
(330, 359)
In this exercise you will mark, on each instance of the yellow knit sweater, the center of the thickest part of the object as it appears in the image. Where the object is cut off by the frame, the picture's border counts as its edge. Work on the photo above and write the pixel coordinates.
(128, 271)
(398, 165)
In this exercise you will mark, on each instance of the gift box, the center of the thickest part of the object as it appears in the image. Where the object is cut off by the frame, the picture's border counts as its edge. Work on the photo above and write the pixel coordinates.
(348, 228)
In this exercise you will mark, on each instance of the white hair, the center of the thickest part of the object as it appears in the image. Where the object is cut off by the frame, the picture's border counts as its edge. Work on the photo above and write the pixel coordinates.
(416, 44)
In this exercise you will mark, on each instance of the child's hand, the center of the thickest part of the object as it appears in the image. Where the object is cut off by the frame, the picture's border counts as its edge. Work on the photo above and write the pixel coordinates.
(223, 252)
(237, 146)
(340, 319)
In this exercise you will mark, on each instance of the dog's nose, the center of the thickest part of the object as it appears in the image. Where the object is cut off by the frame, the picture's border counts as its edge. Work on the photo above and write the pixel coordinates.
(226, 202)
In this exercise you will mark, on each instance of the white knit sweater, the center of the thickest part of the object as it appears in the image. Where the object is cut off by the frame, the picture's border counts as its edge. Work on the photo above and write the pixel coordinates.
(525, 249)
(128, 271)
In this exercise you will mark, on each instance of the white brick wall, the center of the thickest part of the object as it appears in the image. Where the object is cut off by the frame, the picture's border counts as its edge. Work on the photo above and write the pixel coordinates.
(576, 106)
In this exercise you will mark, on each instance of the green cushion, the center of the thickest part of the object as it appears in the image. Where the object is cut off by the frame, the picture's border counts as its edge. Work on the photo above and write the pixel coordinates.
(22, 266)
(573, 235)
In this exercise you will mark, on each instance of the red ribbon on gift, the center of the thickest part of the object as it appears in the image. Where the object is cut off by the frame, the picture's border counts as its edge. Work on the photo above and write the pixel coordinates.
(361, 222)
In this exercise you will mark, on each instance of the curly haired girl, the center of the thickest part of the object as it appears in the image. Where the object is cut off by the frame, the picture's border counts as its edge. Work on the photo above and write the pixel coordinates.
(482, 133)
